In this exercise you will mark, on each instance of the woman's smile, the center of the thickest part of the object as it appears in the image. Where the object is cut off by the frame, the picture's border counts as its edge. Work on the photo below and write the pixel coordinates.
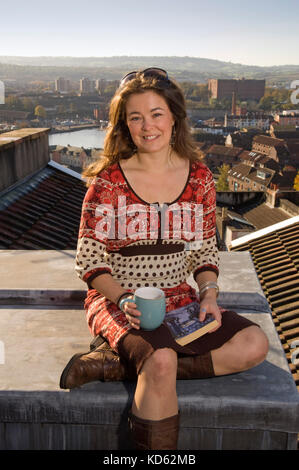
(149, 120)
(150, 137)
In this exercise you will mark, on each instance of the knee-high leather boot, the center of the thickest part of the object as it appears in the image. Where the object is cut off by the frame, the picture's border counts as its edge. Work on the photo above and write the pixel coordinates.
(103, 364)
(154, 435)
(195, 367)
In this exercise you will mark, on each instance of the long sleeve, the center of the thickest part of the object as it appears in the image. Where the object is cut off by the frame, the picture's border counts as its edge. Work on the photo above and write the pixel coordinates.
(91, 257)
(206, 258)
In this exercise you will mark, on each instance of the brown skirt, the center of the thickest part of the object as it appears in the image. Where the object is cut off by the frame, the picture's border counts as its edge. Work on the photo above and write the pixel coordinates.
(137, 345)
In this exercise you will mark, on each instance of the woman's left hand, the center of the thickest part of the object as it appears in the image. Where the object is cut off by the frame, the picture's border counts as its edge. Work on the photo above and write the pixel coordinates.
(209, 305)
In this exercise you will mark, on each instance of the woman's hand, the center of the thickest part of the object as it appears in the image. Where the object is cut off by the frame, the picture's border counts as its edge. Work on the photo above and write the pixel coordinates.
(209, 305)
(132, 314)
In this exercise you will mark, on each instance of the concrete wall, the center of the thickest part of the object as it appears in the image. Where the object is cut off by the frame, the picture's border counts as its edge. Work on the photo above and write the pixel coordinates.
(22, 153)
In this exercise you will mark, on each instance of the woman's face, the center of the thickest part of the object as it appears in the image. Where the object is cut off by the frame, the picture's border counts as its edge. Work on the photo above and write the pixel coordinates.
(150, 121)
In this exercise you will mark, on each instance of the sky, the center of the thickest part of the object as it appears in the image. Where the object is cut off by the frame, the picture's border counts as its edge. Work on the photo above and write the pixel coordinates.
(255, 32)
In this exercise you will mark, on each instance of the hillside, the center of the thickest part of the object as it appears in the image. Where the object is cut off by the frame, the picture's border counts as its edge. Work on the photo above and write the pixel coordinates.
(112, 68)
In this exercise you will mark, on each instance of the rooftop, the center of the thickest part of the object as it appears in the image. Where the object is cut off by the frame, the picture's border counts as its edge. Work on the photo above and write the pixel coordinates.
(263, 215)
(43, 324)
(275, 255)
(224, 150)
(44, 211)
(9, 138)
(269, 141)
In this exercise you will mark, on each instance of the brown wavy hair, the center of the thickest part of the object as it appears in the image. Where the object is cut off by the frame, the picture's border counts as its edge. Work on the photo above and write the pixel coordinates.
(118, 143)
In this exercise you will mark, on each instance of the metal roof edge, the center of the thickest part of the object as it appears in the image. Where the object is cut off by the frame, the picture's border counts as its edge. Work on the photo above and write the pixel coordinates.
(66, 170)
(264, 231)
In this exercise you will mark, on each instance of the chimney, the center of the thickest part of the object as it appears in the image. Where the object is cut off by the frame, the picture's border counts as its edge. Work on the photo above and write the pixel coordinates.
(225, 120)
(223, 222)
(22, 153)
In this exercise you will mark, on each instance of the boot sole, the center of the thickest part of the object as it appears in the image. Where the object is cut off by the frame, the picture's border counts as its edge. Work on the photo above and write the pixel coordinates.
(63, 378)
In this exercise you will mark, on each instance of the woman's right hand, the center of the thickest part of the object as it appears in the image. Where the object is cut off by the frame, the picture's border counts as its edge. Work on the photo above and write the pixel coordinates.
(132, 314)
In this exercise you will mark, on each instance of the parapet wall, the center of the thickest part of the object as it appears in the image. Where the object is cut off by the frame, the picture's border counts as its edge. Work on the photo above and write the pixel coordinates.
(22, 153)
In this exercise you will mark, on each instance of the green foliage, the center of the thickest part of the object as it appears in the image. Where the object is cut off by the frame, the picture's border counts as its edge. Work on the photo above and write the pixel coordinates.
(13, 102)
(276, 99)
(222, 183)
(28, 104)
(40, 111)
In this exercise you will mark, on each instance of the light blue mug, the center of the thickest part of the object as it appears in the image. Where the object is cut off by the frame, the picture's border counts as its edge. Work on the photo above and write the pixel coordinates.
(150, 301)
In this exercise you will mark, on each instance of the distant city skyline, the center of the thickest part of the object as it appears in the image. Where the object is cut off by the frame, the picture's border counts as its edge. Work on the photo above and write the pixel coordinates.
(263, 33)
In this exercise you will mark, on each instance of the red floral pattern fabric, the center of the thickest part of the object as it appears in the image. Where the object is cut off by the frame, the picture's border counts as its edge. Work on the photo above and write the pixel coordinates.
(103, 234)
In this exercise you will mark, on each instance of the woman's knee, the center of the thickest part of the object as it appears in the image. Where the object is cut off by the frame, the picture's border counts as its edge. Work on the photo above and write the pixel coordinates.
(162, 364)
(255, 346)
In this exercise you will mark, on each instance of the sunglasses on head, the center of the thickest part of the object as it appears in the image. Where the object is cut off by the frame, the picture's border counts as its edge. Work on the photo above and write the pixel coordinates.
(154, 72)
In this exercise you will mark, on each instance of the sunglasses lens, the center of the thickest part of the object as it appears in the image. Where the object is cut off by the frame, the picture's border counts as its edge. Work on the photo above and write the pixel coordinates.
(155, 72)
(150, 72)
(128, 77)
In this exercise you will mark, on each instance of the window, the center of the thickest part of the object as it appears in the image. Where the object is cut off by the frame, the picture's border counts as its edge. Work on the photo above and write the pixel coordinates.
(261, 174)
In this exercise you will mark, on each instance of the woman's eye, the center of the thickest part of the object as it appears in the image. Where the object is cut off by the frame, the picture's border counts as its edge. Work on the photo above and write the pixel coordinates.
(157, 114)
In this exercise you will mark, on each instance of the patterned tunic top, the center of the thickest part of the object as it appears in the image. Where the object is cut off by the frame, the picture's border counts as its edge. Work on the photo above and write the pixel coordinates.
(142, 244)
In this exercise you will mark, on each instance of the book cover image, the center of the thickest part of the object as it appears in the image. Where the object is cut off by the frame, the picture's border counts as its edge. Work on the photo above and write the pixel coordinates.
(185, 325)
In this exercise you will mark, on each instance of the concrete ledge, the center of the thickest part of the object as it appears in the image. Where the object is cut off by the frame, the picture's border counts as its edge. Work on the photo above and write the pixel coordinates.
(256, 409)
(48, 278)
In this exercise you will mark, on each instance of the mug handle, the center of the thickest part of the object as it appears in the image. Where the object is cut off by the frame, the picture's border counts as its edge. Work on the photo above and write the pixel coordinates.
(126, 299)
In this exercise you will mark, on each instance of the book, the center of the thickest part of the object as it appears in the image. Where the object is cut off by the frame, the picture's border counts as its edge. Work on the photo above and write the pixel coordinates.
(184, 323)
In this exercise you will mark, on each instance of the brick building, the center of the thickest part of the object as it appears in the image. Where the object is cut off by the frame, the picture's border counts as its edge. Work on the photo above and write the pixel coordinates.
(243, 89)
(259, 172)
(290, 118)
(275, 148)
(216, 155)
(248, 120)
(62, 85)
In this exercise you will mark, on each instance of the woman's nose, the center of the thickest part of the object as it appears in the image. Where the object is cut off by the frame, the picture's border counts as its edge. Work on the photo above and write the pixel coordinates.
(146, 124)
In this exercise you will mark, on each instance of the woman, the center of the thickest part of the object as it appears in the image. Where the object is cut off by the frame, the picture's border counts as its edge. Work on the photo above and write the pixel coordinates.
(151, 163)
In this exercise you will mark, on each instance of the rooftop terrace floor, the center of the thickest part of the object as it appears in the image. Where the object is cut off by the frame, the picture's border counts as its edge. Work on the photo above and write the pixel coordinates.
(42, 324)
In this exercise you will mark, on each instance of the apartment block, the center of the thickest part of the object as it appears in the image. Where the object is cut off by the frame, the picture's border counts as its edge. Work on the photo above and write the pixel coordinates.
(244, 89)
(62, 85)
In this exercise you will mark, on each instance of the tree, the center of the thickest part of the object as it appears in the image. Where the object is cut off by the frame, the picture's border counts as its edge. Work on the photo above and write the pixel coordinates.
(222, 183)
(40, 111)
(13, 102)
(296, 182)
(28, 104)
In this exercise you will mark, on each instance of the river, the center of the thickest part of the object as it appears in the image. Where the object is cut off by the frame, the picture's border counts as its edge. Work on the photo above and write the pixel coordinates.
(87, 138)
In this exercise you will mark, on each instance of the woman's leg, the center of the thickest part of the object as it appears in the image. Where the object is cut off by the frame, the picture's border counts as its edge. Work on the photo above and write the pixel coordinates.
(155, 395)
(154, 418)
(244, 350)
